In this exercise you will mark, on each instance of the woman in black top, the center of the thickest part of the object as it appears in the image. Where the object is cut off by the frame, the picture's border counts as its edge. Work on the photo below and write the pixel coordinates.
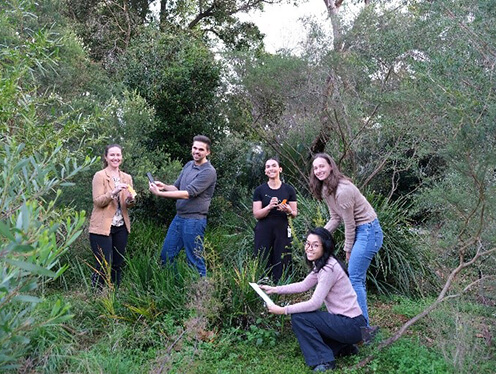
(273, 203)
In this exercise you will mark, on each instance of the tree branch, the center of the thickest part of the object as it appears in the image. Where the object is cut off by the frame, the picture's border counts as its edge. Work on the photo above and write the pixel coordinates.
(441, 298)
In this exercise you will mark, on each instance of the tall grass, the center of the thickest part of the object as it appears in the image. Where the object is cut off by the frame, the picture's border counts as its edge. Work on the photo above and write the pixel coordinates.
(168, 319)
(401, 265)
(232, 267)
(152, 289)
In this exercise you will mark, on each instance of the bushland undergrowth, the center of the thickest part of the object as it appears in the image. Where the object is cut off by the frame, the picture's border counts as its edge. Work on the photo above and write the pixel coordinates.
(168, 320)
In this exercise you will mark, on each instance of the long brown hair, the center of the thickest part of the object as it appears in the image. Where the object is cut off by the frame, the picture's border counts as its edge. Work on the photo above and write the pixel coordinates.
(331, 182)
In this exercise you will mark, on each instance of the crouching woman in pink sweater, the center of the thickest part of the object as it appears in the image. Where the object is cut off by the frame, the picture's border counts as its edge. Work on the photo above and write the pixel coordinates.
(323, 335)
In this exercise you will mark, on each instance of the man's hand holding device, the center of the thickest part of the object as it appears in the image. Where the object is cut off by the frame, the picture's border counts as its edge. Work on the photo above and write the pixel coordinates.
(157, 186)
(150, 177)
(153, 185)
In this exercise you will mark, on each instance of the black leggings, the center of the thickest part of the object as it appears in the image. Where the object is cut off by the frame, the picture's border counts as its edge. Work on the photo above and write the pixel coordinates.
(111, 248)
(273, 245)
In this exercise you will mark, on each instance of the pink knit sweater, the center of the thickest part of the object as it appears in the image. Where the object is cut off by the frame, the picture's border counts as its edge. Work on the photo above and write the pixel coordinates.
(333, 288)
(351, 207)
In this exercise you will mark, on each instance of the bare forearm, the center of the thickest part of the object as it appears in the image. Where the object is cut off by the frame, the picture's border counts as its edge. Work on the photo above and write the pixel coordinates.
(173, 194)
(291, 209)
(168, 191)
(165, 187)
(262, 212)
(259, 212)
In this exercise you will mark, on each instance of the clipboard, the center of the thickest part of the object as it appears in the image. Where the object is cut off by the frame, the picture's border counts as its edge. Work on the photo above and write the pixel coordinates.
(262, 294)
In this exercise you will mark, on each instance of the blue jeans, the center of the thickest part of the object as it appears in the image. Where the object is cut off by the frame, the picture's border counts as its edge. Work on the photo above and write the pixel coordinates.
(322, 335)
(368, 241)
(187, 233)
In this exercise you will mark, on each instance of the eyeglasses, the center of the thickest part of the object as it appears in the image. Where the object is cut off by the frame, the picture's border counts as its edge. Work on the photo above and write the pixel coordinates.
(313, 246)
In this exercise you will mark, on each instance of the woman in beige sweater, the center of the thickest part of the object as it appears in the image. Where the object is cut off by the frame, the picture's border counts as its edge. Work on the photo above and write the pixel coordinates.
(363, 233)
(109, 223)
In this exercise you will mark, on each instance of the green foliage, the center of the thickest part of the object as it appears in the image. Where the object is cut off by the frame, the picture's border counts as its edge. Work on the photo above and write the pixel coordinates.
(232, 267)
(106, 28)
(155, 290)
(33, 235)
(405, 103)
(461, 204)
(179, 77)
(50, 342)
(401, 265)
(236, 158)
(151, 290)
(231, 356)
(460, 330)
(158, 308)
(398, 267)
(409, 356)
(264, 96)
(457, 330)
(410, 307)
(260, 336)
(32, 65)
(34, 166)
(128, 120)
(242, 36)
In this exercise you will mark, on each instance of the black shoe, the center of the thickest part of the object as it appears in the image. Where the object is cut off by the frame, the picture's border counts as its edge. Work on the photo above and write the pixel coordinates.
(325, 366)
(349, 350)
(369, 333)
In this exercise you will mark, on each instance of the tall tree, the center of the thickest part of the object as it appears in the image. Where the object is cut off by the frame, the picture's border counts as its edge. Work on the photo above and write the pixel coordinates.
(217, 18)
(355, 101)
(106, 26)
(179, 77)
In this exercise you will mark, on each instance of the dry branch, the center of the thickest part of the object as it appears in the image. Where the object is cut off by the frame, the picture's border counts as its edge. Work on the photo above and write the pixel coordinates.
(441, 298)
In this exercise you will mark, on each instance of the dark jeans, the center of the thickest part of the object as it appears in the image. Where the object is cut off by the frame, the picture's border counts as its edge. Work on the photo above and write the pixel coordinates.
(109, 252)
(322, 335)
(273, 245)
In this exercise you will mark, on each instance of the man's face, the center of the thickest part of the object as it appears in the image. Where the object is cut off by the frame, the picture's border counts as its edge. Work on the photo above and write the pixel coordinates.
(199, 151)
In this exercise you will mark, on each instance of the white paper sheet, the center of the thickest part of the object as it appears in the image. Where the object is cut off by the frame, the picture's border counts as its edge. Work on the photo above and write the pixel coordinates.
(262, 294)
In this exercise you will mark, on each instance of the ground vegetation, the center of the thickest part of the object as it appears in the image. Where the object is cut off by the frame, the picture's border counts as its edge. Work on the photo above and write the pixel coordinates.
(402, 96)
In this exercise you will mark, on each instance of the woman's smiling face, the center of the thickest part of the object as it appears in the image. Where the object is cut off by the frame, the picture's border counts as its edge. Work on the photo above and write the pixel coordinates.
(114, 157)
(321, 168)
(272, 169)
(313, 247)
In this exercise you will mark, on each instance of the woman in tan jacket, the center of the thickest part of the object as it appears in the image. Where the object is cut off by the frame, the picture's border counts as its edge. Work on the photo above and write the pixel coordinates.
(109, 224)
